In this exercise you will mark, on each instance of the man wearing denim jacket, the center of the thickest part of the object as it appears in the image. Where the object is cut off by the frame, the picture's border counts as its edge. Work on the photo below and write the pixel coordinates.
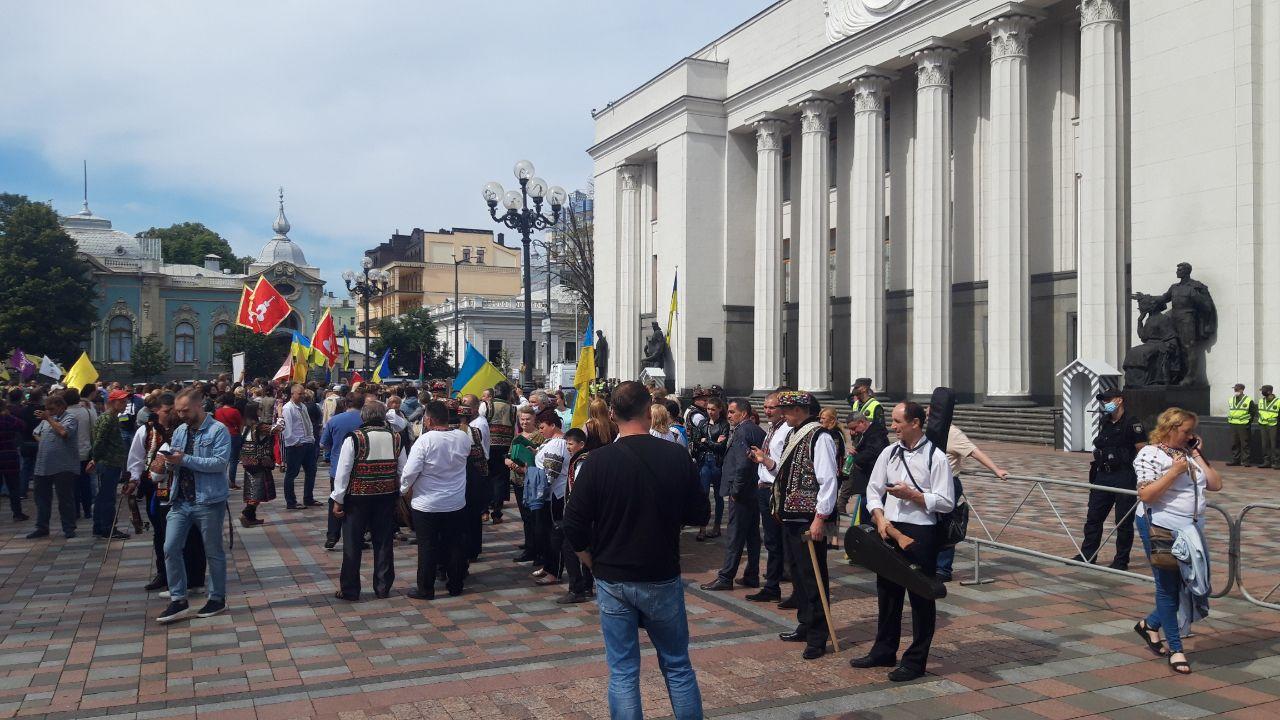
(199, 455)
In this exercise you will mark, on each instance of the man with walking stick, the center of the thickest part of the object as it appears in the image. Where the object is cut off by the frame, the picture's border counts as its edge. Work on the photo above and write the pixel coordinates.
(804, 497)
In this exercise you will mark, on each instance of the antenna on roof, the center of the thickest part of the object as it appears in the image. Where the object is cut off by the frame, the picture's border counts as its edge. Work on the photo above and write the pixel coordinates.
(84, 210)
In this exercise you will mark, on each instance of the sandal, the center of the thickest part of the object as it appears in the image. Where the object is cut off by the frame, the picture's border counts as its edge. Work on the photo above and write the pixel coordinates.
(539, 573)
(547, 580)
(1182, 667)
(1157, 645)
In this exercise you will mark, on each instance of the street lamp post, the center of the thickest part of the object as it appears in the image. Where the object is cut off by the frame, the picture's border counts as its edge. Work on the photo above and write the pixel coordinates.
(525, 220)
(457, 361)
(372, 282)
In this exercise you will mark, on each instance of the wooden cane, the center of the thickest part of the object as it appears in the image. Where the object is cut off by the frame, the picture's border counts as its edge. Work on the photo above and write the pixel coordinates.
(822, 593)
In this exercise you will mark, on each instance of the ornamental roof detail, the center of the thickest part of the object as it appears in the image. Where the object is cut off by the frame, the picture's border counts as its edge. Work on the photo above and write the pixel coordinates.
(850, 17)
(280, 249)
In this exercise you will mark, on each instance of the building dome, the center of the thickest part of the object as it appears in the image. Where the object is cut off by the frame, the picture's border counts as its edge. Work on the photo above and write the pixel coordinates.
(94, 236)
(280, 248)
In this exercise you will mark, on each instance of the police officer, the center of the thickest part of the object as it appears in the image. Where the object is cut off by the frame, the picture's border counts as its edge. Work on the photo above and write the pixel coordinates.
(1120, 436)
(1240, 412)
(1268, 415)
(861, 400)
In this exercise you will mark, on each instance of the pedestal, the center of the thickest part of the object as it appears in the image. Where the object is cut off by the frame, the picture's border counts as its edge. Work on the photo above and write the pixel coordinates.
(1147, 403)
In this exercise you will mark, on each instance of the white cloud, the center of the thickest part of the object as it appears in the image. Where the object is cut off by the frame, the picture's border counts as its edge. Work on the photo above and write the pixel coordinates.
(374, 116)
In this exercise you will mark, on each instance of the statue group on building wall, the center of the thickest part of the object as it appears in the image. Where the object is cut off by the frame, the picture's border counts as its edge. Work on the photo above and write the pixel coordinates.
(1173, 345)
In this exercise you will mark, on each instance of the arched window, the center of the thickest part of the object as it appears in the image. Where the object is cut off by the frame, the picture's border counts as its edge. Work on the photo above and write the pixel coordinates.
(184, 343)
(219, 335)
(119, 339)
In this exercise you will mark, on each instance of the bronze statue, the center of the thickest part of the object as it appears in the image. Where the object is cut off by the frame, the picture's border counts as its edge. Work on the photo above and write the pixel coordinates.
(602, 355)
(1195, 320)
(655, 348)
(1161, 358)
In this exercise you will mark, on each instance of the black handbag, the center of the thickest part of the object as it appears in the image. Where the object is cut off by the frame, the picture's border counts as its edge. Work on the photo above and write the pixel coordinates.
(952, 526)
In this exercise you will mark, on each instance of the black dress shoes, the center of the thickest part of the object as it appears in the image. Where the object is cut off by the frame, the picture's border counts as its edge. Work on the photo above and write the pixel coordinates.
(866, 661)
(156, 584)
(717, 584)
(813, 652)
(765, 596)
(903, 674)
(793, 636)
(789, 603)
(417, 594)
(749, 582)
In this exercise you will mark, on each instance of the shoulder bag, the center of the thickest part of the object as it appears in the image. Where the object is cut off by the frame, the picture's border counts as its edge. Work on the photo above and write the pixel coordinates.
(953, 526)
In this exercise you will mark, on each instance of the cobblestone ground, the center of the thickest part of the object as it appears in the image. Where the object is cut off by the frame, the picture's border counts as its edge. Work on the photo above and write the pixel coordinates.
(1044, 640)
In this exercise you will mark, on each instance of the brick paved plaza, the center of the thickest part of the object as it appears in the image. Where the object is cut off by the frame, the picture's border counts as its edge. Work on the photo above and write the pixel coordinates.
(1043, 641)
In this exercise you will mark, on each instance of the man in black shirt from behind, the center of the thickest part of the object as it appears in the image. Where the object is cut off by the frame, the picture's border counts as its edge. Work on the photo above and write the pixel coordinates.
(630, 500)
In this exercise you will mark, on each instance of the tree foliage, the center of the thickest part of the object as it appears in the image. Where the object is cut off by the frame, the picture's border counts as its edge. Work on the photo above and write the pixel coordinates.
(262, 353)
(573, 244)
(188, 243)
(150, 358)
(49, 293)
(408, 335)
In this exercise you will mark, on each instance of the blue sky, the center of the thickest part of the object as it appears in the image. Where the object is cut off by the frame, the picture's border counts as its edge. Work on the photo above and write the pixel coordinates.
(373, 116)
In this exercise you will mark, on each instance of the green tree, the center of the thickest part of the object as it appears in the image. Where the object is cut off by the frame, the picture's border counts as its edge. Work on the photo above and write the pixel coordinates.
(150, 358)
(49, 293)
(262, 353)
(187, 243)
(502, 361)
(408, 335)
(8, 203)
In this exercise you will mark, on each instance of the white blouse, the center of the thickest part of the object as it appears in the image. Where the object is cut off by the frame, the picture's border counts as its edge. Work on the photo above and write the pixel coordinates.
(1183, 501)
(553, 458)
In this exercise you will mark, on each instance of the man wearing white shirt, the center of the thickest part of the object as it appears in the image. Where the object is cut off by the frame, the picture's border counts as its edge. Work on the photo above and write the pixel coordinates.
(435, 479)
(365, 485)
(910, 484)
(299, 440)
(804, 496)
(766, 458)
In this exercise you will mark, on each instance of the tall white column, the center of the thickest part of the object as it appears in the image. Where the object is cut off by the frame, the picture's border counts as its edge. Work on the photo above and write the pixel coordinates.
(866, 227)
(768, 265)
(931, 221)
(625, 351)
(1100, 272)
(815, 227)
(1005, 224)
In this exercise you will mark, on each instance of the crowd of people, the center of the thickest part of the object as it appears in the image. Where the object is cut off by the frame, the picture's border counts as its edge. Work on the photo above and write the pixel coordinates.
(601, 506)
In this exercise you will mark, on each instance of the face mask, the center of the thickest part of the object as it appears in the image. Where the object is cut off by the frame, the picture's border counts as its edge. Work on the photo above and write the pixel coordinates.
(1110, 407)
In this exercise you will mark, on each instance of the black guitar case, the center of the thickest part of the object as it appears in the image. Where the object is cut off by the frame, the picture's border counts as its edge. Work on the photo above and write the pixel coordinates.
(942, 407)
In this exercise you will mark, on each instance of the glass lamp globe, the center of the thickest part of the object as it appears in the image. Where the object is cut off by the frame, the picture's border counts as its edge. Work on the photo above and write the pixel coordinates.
(366, 262)
(556, 195)
(537, 188)
(523, 170)
(492, 193)
(512, 201)
(349, 276)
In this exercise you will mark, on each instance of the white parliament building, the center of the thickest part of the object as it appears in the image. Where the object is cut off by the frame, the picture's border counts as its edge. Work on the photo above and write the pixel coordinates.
(945, 192)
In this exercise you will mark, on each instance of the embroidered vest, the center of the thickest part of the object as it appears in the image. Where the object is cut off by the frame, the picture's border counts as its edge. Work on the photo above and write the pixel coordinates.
(156, 436)
(795, 493)
(502, 422)
(477, 463)
(375, 471)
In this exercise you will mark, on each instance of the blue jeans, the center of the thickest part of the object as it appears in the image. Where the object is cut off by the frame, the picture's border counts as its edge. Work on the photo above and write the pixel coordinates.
(104, 502)
(659, 607)
(208, 519)
(947, 557)
(25, 473)
(709, 473)
(1168, 587)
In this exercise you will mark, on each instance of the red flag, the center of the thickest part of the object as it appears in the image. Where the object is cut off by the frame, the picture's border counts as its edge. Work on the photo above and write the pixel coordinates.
(246, 300)
(355, 377)
(268, 308)
(325, 339)
(286, 369)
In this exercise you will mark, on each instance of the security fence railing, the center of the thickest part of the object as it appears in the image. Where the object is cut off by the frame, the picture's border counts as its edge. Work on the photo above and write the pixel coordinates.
(1055, 494)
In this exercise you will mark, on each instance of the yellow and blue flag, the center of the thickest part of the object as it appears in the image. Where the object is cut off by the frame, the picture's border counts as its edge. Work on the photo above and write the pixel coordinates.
(476, 375)
(583, 376)
(300, 351)
(346, 350)
(384, 367)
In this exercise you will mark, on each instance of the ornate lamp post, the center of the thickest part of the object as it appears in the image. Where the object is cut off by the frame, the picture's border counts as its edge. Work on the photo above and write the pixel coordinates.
(525, 220)
(371, 283)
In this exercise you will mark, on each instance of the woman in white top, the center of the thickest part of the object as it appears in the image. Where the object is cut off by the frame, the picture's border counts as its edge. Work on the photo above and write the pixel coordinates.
(660, 424)
(1173, 476)
(553, 459)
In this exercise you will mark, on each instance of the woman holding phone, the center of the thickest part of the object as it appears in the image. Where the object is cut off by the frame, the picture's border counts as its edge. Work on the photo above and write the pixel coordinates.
(1173, 477)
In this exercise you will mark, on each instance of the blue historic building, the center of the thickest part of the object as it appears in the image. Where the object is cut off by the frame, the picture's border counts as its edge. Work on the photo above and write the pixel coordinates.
(189, 307)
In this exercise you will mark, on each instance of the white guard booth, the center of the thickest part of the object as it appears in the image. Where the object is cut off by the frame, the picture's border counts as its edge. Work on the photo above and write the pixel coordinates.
(1082, 380)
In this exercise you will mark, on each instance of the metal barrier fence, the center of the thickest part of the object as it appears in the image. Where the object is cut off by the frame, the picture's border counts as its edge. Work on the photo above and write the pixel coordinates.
(993, 541)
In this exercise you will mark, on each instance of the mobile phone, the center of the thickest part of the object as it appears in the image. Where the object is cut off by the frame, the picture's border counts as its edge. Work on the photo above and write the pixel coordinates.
(165, 452)
(1193, 443)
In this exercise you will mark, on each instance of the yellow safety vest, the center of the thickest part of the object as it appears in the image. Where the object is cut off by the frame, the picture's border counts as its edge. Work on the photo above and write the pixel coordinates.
(1238, 411)
(869, 408)
(1269, 411)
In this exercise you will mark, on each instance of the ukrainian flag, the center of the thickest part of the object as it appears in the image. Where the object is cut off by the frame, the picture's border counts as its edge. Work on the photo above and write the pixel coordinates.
(300, 351)
(476, 375)
(383, 370)
(583, 376)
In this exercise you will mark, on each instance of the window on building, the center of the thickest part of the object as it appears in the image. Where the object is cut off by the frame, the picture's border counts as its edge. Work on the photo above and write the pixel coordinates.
(831, 261)
(786, 269)
(184, 343)
(466, 254)
(219, 337)
(495, 349)
(570, 349)
(831, 154)
(119, 339)
(479, 256)
(786, 168)
(704, 349)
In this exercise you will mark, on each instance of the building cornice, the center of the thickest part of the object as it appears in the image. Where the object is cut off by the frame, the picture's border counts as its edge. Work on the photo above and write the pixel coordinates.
(683, 105)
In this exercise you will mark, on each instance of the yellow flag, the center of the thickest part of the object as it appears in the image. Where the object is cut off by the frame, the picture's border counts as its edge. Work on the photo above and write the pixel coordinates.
(583, 376)
(81, 374)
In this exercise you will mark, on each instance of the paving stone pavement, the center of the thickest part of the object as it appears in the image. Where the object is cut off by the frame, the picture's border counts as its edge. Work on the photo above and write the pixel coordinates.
(1044, 640)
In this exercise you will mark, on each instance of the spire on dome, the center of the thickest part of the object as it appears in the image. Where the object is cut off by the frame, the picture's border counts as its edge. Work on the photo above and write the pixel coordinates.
(281, 225)
(84, 210)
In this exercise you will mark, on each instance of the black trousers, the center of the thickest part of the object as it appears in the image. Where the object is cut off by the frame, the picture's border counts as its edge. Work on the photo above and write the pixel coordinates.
(375, 514)
(1101, 503)
(744, 533)
(478, 492)
(440, 540)
(526, 522)
(499, 479)
(924, 611)
(811, 619)
(771, 530)
(581, 581)
(192, 552)
(547, 538)
(64, 486)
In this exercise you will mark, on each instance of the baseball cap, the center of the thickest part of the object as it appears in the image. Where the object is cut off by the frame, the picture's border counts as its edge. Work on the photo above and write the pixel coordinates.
(118, 395)
(1106, 395)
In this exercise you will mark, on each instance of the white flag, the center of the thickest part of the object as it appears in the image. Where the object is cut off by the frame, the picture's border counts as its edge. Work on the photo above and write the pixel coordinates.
(237, 367)
(50, 368)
